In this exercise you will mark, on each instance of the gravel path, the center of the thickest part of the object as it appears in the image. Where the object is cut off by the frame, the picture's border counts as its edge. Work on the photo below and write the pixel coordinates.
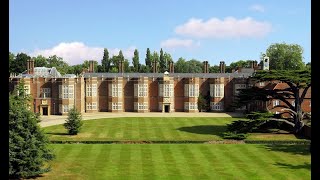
(58, 119)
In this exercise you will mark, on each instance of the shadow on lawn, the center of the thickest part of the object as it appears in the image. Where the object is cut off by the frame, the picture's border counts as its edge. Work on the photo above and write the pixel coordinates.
(293, 149)
(290, 166)
(205, 129)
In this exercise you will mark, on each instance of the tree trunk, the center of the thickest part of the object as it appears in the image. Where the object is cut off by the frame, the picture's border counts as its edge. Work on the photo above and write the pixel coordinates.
(298, 117)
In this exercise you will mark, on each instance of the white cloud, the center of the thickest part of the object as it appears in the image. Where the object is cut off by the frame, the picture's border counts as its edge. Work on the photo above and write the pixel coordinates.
(178, 43)
(257, 7)
(76, 52)
(230, 27)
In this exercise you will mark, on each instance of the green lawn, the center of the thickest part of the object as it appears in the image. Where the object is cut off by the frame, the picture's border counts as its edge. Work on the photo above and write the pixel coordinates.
(179, 161)
(154, 129)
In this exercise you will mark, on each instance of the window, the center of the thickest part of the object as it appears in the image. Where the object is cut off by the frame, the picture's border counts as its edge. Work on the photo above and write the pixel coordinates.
(66, 91)
(26, 89)
(160, 90)
(217, 106)
(91, 90)
(168, 90)
(143, 106)
(190, 106)
(141, 90)
(46, 92)
(115, 90)
(261, 83)
(117, 106)
(65, 108)
(191, 90)
(92, 106)
(216, 90)
(276, 103)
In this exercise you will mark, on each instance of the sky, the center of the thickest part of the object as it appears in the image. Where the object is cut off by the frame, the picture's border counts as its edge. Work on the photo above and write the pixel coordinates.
(205, 30)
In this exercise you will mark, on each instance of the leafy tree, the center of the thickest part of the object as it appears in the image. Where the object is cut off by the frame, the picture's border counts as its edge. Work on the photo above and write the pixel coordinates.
(40, 61)
(148, 59)
(75, 69)
(11, 62)
(120, 56)
(73, 122)
(155, 57)
(135, 61)
(28, 145)
(284, 56)
(144, 69)
(214, 69)
(58, 63)
(86, 64)
(194, 66)
(167, 59)
(180, 66)
(105, 62)
(299, 81)
(240, 63)
(20, 63)
(308, 66)
(126, 66)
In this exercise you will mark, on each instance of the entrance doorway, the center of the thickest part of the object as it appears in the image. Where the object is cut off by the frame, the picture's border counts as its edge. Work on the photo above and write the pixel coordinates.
(45, 111)
(166, 108)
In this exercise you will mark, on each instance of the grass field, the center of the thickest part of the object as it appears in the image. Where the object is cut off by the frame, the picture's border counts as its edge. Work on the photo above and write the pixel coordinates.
(179, 161)
(153, 129)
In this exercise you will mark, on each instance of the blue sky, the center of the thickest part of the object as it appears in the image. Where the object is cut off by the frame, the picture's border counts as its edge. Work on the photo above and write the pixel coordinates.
(204, 30)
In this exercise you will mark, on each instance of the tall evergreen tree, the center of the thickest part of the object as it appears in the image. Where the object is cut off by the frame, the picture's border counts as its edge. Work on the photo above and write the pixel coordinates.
(105, 62)
(135, 61)
(148, 59)
(73, 122)
(28, 145)
(20, 63)
(162, 62)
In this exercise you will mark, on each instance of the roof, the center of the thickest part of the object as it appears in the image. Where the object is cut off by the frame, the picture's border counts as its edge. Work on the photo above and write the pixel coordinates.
(156, 75)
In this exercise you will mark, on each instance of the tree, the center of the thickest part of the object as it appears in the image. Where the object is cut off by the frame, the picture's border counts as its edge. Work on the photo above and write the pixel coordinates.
(162, 62)
(40, 61)
(167, 60)
(214, 69)
(11, 62)
(148, 59)
(20, 63)
(240, 63)
(105, 62)
(155, 57)
(284, 56)
(202, 103)
(180, 66)
(28, 145)
(58, 63)
(73, 122)
(194, 66)
(135, 61)
(126, 66)
(299, 81)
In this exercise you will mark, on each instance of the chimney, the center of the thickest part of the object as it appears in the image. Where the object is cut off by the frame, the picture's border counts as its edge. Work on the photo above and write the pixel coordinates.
(155, 68)
(205, 67)
(30, 66)
(252, 64)
(171, 67)
(91, 66)
(222, 67)
(121, 67)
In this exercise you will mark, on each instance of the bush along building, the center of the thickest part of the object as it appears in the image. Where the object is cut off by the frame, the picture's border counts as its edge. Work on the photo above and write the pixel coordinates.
(54, 94)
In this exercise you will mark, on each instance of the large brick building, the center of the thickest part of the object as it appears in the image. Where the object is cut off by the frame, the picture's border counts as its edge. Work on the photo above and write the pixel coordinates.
(130, 92)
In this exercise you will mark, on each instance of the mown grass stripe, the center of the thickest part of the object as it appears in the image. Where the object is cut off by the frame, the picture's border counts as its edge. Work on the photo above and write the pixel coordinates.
(158, 161)
(174, 133)
(291, 160)
(125, 161)
(192, 161)
(157, 131)
(256, 155)
(215, 162)
(147, 162)
(173, 170)
(127, 130)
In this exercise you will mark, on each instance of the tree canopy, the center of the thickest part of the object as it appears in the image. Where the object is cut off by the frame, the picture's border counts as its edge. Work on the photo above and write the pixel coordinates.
(298, 81)
(284, 56)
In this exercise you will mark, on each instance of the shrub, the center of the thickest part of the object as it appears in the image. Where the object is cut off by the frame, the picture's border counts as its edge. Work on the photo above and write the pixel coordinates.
(233, 135)
(73, 122)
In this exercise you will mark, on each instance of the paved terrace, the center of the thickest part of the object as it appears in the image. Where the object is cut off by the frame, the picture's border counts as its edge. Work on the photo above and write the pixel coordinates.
(58, 119)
